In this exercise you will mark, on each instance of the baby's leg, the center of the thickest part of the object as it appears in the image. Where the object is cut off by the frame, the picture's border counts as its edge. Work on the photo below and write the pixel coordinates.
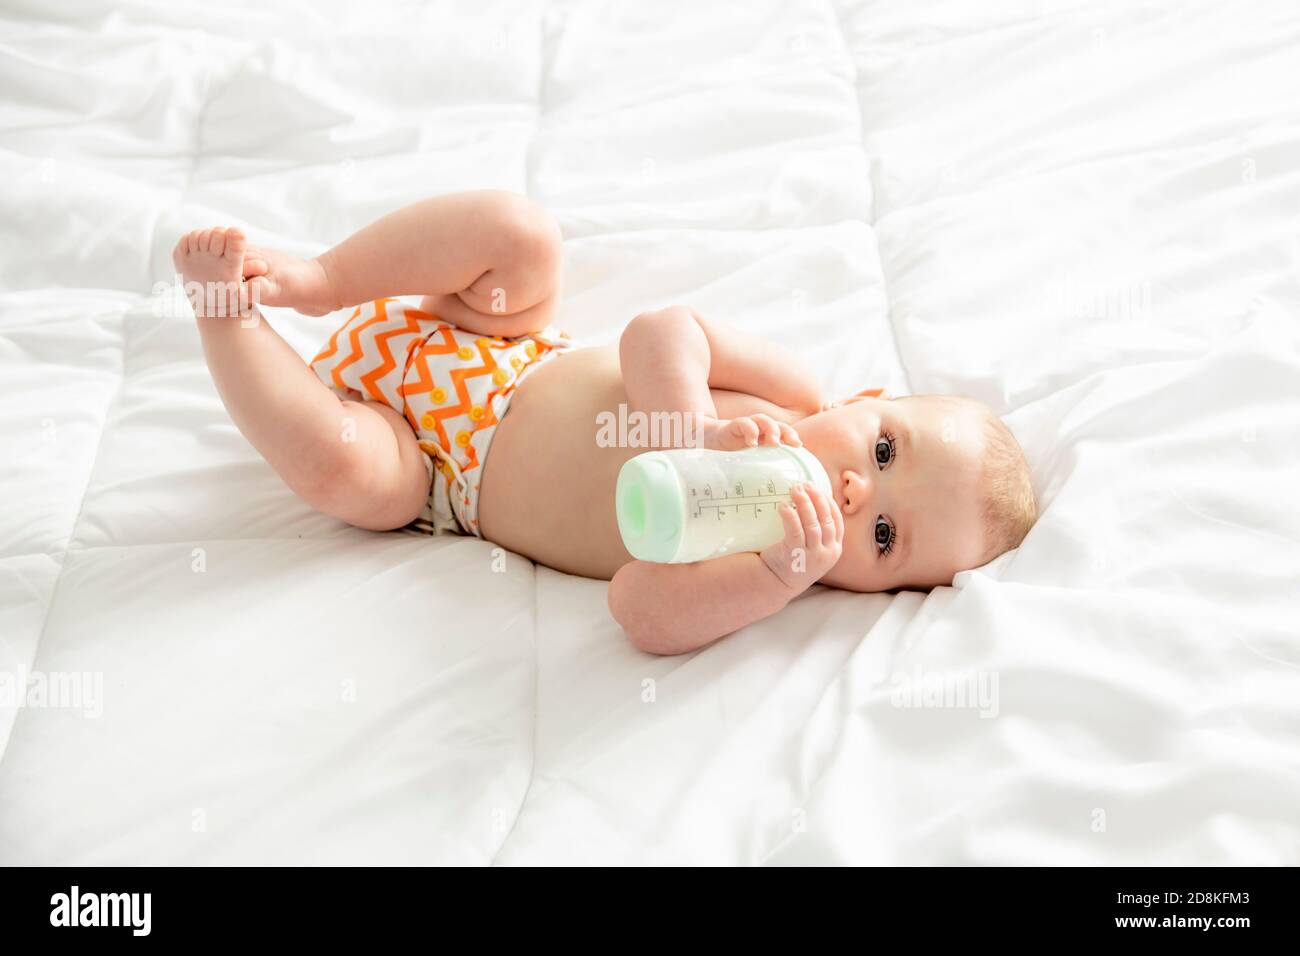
(488, 262)
(358, 461)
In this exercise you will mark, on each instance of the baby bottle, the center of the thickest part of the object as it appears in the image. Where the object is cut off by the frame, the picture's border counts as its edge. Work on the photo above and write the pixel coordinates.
(691, 504)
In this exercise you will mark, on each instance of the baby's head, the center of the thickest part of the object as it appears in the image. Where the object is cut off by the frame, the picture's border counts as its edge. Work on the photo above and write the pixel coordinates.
(929, 485)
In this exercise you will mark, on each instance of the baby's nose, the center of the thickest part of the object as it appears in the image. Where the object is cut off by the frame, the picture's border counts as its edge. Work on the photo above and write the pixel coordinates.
(858, 491)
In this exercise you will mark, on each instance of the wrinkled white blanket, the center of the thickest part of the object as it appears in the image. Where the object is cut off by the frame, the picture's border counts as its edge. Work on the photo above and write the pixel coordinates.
(1083, 213)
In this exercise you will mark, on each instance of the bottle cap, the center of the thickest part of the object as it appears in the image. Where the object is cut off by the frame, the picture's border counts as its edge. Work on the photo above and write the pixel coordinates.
(649, 503)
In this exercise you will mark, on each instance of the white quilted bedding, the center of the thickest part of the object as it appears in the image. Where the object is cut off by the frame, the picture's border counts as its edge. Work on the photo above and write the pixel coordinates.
(1085, 214)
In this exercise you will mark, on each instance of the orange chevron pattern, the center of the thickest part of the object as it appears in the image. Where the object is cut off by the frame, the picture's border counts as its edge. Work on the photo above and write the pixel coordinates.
(410, 326)
(354, 339)
(450, 385)
(332, 348)
(417, 350)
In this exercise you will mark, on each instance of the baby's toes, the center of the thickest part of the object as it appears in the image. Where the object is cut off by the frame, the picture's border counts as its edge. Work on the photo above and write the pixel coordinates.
(767, 429)
(217, 244)
(235, 244)
(745, 431)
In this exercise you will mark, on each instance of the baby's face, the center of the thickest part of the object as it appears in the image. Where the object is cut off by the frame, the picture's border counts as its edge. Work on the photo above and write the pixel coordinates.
(905, 474)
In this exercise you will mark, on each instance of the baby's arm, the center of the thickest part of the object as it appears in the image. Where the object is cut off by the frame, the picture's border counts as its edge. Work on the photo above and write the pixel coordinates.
(671, 358)
(675, 608)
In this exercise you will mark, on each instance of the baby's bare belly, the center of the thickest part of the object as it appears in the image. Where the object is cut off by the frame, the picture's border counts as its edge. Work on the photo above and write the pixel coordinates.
(548, 488)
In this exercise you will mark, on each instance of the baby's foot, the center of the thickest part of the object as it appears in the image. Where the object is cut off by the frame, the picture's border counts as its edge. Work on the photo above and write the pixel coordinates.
(225, 276)
(278, 278)
(211, 263)
(749, 431)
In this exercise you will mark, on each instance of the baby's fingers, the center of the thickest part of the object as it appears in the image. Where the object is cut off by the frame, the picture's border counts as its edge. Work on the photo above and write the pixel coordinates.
(821, 504)
(792, 526)
(789, 436)
(812, 529)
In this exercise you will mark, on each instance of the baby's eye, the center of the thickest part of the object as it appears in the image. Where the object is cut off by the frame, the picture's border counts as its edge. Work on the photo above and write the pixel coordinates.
(884, 451)
(885, 534)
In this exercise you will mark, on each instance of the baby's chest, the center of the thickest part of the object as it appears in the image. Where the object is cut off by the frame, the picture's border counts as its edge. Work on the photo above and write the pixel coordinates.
(548, 483)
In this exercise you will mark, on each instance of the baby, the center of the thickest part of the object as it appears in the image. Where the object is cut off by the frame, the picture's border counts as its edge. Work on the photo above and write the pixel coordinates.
(392, 424)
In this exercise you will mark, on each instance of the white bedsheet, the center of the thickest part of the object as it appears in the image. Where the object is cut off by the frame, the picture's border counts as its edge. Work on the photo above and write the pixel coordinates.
(1085, 214)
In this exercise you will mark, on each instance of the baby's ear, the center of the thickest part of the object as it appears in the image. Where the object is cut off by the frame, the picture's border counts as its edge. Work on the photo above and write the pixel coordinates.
(865, 393)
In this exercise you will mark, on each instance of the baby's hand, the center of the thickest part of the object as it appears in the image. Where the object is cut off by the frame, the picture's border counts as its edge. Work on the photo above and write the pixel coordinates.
(814, 538)
(747, 431)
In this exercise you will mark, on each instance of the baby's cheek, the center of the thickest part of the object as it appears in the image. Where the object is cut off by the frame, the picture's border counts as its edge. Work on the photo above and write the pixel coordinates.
(849, 562)
(856, 569)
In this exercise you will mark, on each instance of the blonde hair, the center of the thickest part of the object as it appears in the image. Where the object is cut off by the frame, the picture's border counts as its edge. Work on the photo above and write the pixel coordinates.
(1009, 506)
(1010, 509)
